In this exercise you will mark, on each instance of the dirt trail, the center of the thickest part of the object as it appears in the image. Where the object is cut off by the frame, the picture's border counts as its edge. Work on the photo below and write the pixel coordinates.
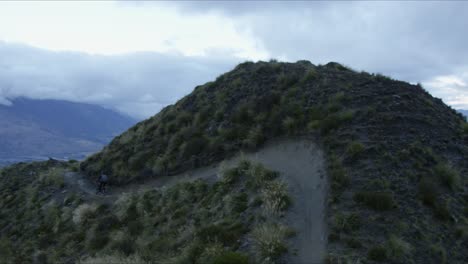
(301, 165)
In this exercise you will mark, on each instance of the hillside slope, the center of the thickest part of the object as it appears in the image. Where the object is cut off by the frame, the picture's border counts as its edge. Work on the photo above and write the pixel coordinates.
(31, 129)
(396, 156)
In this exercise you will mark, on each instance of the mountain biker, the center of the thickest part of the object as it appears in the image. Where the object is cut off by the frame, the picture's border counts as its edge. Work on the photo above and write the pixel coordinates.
(102, 181)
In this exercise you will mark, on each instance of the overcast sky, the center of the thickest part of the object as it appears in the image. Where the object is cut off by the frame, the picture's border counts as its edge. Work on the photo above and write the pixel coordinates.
(137, 57)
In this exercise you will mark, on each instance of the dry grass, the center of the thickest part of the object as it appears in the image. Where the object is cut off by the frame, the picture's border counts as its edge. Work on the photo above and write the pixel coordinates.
(269, 242)
(275, 197)
(134, 259)
(83, 212)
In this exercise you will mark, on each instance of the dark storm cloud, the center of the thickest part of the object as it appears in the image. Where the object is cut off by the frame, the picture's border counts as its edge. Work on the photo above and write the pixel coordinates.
(138, 84)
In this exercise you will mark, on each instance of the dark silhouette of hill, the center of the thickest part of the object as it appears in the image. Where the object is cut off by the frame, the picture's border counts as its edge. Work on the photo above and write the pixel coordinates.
(33, 129)
(396, 156)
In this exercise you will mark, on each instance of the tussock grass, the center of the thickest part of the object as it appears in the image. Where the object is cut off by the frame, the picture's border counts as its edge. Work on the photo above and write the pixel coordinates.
(116, 258)
(53, 178)
(448, 175)
(259, 175)
(354, 149)
(379, 201)
(275, 197)
(269, 242)
(397, 247)
(83, 213)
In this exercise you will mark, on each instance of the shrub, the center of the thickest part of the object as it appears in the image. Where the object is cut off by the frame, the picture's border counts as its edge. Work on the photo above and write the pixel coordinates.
(259, 175)
(124, 245)
(134, 259)
(337, 173)
(289, 125)
(309, 75)
(354, 149)
(238, 203)
(347, 222)
(210, 252)
(269, 241)
(229, 175)
(275, 197)
(379, 201)
(53, 177)
(254, 138)
(83, 213)
(465, 128)
(97, 240)
(439, 253)
(442, 212)
(230, 257)
(448, 175)
(397, 247)
(428, 191)
(378, 253)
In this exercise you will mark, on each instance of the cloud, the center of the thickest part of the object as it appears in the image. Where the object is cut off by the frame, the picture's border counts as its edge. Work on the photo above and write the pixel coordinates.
(411, 41)
(452, 88)
(138, 84)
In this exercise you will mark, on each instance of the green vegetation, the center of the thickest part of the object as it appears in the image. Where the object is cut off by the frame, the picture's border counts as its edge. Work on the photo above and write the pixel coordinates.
(428, 191)
(388, 144)
(354, 149)
(398, 248)
(376, 200)
(378, 253)
(448, 176)
(269, 241)
(465, 128)
(190, 222)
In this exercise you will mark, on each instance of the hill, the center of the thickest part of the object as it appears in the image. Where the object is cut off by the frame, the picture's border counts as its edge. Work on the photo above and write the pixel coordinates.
(374, 170)
(396, 156)
(37, 129)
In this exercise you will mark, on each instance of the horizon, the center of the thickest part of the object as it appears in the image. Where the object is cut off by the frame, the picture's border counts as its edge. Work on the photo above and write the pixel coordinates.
(137, 57)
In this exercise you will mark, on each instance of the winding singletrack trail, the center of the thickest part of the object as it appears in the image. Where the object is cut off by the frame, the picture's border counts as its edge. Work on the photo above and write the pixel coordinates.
(300, 163)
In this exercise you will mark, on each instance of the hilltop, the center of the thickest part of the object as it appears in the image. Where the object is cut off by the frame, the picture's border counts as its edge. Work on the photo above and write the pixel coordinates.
(396, 156)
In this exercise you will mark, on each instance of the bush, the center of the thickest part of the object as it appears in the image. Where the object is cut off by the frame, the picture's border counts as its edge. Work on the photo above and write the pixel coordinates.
(377, 253)
(354, 149)
(238, 203)
(134, 259)
(398, 247)
(442, 212)
(97, 240)
(124, 245)
(53, 177)
(338, 175)
(428, 191)
(379, 201)
(254, 138)
(229, 175)
(275, 197)
(289, 125)
(269, 241)
(465, 128)
(259, 175)
(439, 253)
(347, 222)
(83, 213)
(230, 257)
(448, 175)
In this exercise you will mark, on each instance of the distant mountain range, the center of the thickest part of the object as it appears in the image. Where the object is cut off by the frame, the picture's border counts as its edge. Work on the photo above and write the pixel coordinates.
(464, 112)
(37, 129)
